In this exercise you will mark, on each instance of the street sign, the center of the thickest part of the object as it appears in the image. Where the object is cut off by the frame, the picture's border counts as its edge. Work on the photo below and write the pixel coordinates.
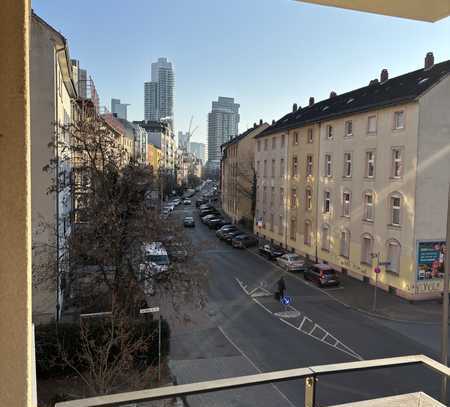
(377, 270)
(149, 310)
(385, 263)
(286, 300)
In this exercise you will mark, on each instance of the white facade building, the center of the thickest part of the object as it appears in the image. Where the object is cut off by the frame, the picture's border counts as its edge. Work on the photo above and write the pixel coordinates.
(120, 109)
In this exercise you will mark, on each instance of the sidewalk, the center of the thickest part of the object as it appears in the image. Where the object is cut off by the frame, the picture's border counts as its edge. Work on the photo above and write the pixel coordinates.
(359, 295)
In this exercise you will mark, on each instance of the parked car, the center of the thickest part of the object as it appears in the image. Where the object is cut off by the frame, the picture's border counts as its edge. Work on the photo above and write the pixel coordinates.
(228, 236)
(218, 224)
(243, 241)
(199, 202)
(214, 220)
(209, 212)
(189, 222)
(202, 207)
(271, 251)
(322, 274)
(224, 229)
(155, 258)
(177, 252)
(205, 218)
(187, 202)
(291, 262)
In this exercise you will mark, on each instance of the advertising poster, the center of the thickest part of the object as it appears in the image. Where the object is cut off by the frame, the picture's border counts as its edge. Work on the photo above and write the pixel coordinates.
(430, 260)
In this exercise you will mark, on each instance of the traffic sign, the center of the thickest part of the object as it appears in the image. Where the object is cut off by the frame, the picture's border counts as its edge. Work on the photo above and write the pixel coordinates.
(385, 263)
(149, 310)
(377, 270)
(286, 300)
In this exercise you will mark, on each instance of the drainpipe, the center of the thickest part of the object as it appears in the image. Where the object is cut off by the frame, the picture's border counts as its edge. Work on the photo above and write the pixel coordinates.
(58, 277)
(317, 193)
(286, 191)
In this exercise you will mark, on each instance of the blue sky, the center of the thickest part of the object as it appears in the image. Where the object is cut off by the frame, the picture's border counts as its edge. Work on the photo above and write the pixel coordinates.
(267, 54)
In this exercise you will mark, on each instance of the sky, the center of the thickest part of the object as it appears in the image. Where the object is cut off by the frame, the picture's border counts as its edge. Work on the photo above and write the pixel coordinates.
(267, 54)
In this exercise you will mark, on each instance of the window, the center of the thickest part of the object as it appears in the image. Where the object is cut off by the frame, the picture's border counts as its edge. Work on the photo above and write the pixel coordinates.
(272, 196)
(393, 256)
(294, 166)
(280, 225)
(265, 168)
(347, 165)
(325, 237)
(265, 144)
(370, 164)
(307, 233)
(257, 168)
(327, 202)
(366, 249)
(395, 210)
(309, 165)
(282, 140)
(310, 136)
(295, 138)
(273, 168)
(346, 203)
(274, 143)
(282, 167)
(259, 145)
(372, 124)
(271, 222)
(368, 206)
(293, 198)
(264, 194)
(293, 229)
(281, 196)
(348, 128)
(345, 243)
(397, 162)
(308, 199)
(329, 132)
(399, 120)
(328, 172)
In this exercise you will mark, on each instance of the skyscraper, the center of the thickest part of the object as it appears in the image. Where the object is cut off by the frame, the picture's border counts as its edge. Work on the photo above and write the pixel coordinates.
(198, 149)
(120, 109)
(183, 140)
(158, 93)
(223, 121)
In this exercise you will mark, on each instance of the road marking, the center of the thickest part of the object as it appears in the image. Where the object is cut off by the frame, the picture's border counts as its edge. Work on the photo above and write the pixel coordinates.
(254, 365)
(316, 331)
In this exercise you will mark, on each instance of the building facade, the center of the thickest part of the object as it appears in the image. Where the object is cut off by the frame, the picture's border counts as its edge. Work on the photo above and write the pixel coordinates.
(198, 149)
(119, 109)
(159, 93)
(223, 123)
(377, 196)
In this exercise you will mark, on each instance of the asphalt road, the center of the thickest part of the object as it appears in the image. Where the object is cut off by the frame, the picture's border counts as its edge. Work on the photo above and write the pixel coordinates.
(249, 332)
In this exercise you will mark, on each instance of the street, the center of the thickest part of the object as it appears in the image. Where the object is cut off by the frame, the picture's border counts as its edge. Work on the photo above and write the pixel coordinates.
(246, 331)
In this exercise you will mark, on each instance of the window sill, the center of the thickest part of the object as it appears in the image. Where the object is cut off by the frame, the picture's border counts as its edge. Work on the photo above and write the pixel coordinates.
(348, 136)
(344, 257)
(396, 178)
(371, 133)
(325, 250)
(394, 227)
(368, 221)
(369, 178)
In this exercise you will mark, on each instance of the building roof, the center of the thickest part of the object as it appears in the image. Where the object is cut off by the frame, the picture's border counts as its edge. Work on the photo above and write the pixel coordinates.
(394, 91)
(239, 137)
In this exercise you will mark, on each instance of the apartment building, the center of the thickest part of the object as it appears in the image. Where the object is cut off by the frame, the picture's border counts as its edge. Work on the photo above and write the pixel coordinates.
(238, 175)
(380, 175)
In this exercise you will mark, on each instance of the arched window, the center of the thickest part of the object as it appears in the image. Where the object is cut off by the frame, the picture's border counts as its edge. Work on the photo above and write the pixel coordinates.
(345, 243)
(307, 233)
(366, 249)
(393, 249)
(395, 208)
(368, 206)
(325, 237)
(346, 203)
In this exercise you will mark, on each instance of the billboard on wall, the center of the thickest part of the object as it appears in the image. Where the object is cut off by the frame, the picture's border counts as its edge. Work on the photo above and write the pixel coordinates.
(430, 260)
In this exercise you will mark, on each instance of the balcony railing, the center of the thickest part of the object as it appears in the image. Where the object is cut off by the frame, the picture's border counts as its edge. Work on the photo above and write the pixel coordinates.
(310, 374)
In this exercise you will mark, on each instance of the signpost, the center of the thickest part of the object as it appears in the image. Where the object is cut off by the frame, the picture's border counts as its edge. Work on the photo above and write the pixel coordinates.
(153, 310)
(377, 271)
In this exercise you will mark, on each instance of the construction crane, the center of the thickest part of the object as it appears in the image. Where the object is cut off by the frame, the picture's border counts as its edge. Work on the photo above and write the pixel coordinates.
(190, 132)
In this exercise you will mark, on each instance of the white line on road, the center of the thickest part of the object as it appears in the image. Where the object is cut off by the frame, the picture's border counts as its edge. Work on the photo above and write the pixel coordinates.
(254, 365)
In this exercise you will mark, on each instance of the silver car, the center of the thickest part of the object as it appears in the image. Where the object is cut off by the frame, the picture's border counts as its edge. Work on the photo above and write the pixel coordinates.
(291, 262)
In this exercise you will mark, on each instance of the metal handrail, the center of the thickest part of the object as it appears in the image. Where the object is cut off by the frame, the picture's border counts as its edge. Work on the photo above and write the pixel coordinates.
(309, 373)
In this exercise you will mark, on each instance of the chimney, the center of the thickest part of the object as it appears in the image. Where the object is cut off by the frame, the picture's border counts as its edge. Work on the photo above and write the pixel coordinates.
(294, 107)
(273, 122)
(311, 101)
(260, 122)
(333, 94)
(384, 76)
(373, 82)
(429, 61)
(254, 125)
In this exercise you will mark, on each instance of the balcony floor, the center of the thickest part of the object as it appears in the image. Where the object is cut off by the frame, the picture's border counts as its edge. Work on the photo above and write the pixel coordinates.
(405, 400)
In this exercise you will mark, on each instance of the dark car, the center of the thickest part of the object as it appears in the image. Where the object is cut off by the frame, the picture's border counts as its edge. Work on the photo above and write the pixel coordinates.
(212, 221)
(271, 251)
(228, 236)
(322, 274)
(189, 222)
(199, 202)
(205, 206)
(205, 218)
(224, 229)
(177, 252)
(208, 212)
(243, 241)
(216, 223)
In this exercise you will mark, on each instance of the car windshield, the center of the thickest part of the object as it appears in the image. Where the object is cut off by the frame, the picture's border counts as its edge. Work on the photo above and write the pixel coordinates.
(160, 259)
(294, 257)
(188, 218)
